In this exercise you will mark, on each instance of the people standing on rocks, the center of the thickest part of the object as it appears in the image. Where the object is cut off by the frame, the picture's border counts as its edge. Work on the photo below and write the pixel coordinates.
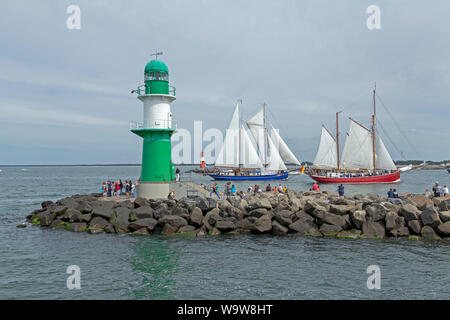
(171, 195)
(214, 190)
(436, 190)
(228, 188)
(177, 175)
(280, 188)
(316, 187)
(395, 193)
(444, 191)
(428, 194)
(269, 187)
(341, 190)
(250, 189)
(117, 188)
(104, 189)
(120, 186)
(133, 189)
(390, 193)
(109, 186)
(233, 190)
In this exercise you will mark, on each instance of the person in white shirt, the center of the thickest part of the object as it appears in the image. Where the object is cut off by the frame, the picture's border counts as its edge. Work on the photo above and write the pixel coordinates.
(445, 191)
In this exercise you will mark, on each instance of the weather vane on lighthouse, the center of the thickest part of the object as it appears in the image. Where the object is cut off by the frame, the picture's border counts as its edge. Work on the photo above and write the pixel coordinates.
(156, 54)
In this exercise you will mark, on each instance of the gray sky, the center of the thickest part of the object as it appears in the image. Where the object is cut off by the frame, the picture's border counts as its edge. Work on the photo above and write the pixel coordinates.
(65, 94)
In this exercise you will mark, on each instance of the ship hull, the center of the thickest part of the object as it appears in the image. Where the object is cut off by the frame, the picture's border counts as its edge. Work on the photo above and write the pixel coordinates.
(282, 176)
(384, 178)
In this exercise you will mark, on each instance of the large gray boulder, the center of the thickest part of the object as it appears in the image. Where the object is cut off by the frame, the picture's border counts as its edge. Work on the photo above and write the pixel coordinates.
(445, 216)
(306, 227)
(259, 212)
(302, 215)
(329, 229)
(77, 226)
(331, 218)
(246, 223)
(206, 204)
(444, 229)
(278, 229)
(410, 212)
(98, 225)
(415, 226)
(444, 205)
(238, 203)
(57, 210)
(225, 226)
(430, 217)
(120, 219)
(399, 232)
(393, 221)
(102, 211)
(141, 202)
(46, 219)
(256, 203)
(148, 223)
(211, 217)
(358, 218)
(375, 212)
(349, 234)
(284, 217)
(84, 207)
(173, 220)
(142, 212)
(421, 201)
(263, 224)
(429, 234)
(311, 206)
(341, 209)
(196, 216)
(373, 229)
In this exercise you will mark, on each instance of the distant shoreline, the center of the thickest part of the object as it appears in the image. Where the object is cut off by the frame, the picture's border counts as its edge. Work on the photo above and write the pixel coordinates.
(429, 166)
(81, 165)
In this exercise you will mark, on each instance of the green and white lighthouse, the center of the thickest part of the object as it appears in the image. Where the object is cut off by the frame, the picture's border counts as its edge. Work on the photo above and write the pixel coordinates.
(156, 129)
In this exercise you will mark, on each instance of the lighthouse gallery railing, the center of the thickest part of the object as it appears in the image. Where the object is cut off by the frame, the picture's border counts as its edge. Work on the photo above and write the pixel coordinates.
(154, 124)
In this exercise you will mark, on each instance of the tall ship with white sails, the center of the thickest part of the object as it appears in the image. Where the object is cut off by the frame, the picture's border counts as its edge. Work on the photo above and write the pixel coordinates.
(364, 159)
(240, 159)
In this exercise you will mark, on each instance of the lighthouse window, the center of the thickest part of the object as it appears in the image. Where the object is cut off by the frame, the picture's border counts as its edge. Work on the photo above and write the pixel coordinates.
(157, 75)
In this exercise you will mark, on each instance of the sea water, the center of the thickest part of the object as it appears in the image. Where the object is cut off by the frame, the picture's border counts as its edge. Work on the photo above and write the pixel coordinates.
(34, 260)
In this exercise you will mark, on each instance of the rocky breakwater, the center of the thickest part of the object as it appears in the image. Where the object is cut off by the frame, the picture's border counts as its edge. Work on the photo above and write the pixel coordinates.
(315, 214)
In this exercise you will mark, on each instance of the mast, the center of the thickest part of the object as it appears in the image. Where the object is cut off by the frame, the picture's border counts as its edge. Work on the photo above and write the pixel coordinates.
(337, 138)
(239, 134)
(373, 129)
(265, 135)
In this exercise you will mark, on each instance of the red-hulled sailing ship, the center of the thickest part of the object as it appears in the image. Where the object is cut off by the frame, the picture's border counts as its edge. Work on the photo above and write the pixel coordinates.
(365, 158)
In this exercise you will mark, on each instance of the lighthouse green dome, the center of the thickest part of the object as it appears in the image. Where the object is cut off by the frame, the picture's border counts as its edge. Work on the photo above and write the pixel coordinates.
(156, 65)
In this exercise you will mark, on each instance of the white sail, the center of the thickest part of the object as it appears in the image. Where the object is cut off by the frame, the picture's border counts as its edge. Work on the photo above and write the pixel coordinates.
(229, 154)
(326, 156)
(256, 125)
(286, 154)
(275, 162)
(248, 156)
(384, 160)
(358, 148)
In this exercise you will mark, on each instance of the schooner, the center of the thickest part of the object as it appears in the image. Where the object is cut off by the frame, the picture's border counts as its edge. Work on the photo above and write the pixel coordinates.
(364, 159)
(239, 159)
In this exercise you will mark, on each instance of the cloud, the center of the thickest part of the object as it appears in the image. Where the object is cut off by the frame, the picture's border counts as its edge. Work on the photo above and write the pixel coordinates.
(36, 114)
